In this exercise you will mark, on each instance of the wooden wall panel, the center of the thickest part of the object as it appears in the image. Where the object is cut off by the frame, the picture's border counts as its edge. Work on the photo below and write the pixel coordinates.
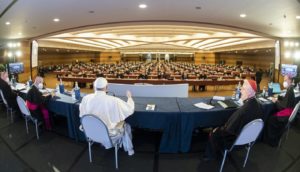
(110, 57)
(66, 58)
(204, 58)
(260, 60)
(25, 58)
(132, 58)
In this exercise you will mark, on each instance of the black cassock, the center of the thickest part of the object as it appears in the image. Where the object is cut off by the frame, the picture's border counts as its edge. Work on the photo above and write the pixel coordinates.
(9, 95)
(224, 136)
(275, 124)
(36, 97)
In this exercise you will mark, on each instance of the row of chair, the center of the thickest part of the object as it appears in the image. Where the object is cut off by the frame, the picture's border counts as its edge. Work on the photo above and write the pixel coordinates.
(92, 126)
(24, 110)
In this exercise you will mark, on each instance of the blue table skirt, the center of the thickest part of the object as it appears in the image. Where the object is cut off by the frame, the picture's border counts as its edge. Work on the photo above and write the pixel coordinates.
(175, 117)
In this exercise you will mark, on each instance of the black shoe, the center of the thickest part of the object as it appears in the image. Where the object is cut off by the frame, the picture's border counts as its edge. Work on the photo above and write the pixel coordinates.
(206, 159)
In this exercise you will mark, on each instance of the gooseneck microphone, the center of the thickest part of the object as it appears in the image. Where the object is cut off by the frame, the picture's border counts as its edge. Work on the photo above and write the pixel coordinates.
(216, 90)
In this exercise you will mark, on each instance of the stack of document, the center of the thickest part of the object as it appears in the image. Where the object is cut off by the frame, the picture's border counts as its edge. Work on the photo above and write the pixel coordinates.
(263, 99)
(202, 105)
(150, 107)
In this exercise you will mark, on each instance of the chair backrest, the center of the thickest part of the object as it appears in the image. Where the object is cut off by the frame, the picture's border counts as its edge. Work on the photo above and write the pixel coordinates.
(3, 98)
(95, 129)
(22, 105)
(249, 132)
(294, 113)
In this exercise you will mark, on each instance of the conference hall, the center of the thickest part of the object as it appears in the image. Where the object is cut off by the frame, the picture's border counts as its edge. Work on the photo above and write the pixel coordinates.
(145, 85)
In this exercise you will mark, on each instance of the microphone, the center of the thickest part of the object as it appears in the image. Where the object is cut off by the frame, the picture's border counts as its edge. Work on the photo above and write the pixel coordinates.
(210, 103)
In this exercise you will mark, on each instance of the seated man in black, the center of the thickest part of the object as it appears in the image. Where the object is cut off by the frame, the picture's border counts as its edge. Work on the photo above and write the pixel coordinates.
(9, 95)
(284, 106)
(120, 75)
(35, 101)
(161, 75)
(184, 76)
(202, 76)
(99, 74)
(224, 136)
(143, 76)
(258, 78)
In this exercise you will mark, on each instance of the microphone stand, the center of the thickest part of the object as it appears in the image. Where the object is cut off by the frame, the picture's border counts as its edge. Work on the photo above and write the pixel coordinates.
(216, 90)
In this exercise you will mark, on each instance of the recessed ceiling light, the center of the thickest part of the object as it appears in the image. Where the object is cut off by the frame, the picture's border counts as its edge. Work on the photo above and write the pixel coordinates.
(243, 15)
(142, 6)
(297, 17)
(56, 20)
(7, 23)
(20, 33)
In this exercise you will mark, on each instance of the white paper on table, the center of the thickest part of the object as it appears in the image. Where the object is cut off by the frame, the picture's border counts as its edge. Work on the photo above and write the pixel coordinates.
(219, 98)
(263, 99)
(19, 87)
(202, 105)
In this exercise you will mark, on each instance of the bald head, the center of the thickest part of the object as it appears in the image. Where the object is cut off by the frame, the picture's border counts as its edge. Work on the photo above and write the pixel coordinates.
(287, 81)
(4, 76)
(38, 80)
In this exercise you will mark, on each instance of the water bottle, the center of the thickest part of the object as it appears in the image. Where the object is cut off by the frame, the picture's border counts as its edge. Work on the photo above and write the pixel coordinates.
(29, 82)
(61, 87)
(270, 89)
(73, 94)
(77, 91)
(57, 88)
(264, 92)
(13, 81)
(238, 92)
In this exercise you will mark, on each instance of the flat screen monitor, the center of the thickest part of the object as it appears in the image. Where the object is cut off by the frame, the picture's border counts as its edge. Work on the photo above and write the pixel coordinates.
(288, 69)
(16, 68)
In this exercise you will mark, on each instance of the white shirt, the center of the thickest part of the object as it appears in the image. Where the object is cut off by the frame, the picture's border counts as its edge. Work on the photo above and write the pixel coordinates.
(111, 110)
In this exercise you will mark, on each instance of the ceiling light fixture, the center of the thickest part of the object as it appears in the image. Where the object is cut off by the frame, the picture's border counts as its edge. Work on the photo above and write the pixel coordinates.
(7, 23)
(297, 17)
(56, 20)
(142, 6)
(243, 15)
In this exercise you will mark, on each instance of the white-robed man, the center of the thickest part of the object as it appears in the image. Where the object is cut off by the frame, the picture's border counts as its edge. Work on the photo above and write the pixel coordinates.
(111, 110)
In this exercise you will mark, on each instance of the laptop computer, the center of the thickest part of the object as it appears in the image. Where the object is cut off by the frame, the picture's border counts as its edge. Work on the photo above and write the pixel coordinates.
(276, 88)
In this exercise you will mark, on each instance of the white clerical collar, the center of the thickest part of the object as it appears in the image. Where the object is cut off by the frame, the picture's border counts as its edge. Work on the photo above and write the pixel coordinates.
(100, 92)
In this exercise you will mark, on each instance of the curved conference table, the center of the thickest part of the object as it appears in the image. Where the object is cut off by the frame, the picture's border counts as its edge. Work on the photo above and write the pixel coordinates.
(175, 117)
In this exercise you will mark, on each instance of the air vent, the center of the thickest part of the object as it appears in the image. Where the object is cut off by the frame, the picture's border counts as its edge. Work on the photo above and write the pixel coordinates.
(5, 5)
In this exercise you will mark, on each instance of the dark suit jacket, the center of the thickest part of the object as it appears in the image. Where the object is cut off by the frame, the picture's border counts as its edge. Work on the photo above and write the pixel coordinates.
(287, 101)
(249, 111)
(35, 96)
(9, 95)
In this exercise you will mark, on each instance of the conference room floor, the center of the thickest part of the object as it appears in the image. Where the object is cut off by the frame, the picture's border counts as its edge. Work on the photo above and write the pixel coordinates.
(21, 152)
